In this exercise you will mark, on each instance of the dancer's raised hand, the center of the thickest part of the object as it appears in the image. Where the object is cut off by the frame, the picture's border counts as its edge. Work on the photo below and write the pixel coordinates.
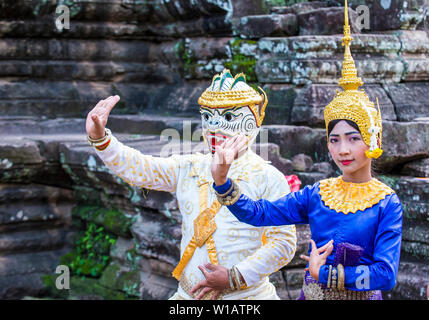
(225, 155)
(97, 118)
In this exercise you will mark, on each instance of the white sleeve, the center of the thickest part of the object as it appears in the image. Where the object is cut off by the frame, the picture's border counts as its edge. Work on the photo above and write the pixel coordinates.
(140, 170)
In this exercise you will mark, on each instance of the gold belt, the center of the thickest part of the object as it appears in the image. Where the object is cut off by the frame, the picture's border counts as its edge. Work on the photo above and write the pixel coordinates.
(204, 227)
(186, 285)
(313, 291)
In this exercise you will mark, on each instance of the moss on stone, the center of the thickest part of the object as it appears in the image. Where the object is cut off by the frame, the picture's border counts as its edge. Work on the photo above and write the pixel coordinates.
(129, 282)
(242, 59)
(83, 287)
(112, 285)
(91, 251)
(113, 220)
(184, 54)
(109, 276)
(49, 283)
(124, 281)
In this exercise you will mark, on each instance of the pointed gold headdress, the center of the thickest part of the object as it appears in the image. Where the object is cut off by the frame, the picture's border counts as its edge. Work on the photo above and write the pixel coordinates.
(227, 91)
(353, 104)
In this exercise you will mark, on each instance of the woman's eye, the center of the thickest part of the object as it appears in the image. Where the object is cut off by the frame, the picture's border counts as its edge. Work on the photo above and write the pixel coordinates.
(354, 138)
(333, 140)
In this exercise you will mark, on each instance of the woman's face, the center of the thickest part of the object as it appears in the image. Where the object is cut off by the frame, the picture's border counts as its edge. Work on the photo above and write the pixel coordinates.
(347, 149)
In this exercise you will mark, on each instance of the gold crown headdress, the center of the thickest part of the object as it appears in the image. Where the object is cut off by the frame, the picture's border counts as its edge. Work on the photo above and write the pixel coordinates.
(227, 91)
(353, 104)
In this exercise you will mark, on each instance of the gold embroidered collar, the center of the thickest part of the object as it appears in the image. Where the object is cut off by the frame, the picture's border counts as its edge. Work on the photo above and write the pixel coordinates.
(349, 197)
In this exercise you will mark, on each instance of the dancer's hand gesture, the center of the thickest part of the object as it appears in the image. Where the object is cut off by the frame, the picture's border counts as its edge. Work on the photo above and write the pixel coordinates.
(97, 118)
(317, 258)
(217, 280)
(225, 154)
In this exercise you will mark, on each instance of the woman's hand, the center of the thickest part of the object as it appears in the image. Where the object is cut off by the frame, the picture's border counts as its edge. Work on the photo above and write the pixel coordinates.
(317, 258)
(216, 280)
(97, 118)
(225, 153)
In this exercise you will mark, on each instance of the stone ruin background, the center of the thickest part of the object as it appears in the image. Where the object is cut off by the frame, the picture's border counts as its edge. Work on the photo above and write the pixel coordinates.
(60, 205)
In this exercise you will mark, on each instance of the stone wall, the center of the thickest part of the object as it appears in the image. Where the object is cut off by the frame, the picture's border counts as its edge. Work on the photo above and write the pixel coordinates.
(159, 56)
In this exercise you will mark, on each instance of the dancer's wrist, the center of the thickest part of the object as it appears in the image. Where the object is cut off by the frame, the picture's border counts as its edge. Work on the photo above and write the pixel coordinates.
(222, 184)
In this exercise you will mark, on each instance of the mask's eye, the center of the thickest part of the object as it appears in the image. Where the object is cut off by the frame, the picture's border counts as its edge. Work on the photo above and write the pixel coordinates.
(229, 116)
(205, 115)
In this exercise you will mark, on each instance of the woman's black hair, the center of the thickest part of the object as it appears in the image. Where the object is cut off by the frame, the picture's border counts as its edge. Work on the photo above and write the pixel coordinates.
(332, 124)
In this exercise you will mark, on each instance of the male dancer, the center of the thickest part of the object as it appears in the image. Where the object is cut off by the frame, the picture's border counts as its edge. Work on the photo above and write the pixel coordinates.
(244, 255)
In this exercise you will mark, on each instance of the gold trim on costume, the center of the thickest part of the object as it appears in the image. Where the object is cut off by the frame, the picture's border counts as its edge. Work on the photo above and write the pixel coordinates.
(349, 197)
(204, 227)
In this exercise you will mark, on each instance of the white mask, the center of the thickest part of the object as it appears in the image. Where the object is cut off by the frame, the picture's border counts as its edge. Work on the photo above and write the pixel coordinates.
(220, 124)
(229, 106)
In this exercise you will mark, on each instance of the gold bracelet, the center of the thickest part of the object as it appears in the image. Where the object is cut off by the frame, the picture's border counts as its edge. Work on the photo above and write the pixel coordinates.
(340, 277)
(222, 195)
(230, 199)
(334, 278)
(231, 284)
(241, 285)
(234, 285)
(101, 141)
(328, 284)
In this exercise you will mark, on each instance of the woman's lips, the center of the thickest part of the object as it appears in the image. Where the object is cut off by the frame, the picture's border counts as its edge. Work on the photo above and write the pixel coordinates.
(346, 162)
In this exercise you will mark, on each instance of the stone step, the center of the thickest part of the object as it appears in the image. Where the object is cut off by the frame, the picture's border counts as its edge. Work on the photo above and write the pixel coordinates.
(298, 59)
(302, 7)
(21, 274)
(412, 281)
(417, 168)
(414, 195)
(317, 59)
(75, 99)
(408, 100)
(82, 50)
(287, 104)
(119, 30)
(34, 240)
(101, 71)
(415, 239)
(379, 58)
(118, 10)
(29, 207)
(141, 124)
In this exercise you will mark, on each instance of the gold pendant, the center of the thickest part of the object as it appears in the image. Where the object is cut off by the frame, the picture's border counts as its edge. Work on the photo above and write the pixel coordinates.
(204, 227)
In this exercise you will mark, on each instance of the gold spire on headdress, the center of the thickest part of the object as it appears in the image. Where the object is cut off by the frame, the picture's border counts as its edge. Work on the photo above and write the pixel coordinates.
(353, 104)
(349, 79)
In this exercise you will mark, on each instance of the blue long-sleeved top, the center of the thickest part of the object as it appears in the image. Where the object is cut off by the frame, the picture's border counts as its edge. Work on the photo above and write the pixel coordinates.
(377, 229)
